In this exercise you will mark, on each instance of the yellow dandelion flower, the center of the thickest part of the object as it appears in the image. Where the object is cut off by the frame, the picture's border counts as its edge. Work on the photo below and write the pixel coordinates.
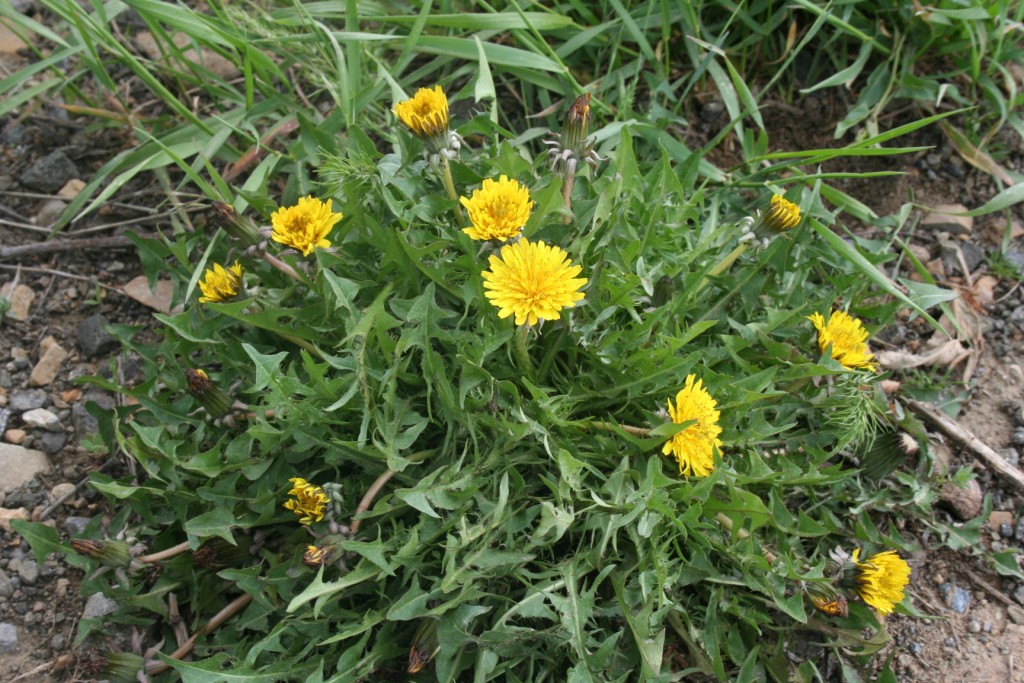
(533, 280)
(694, 447)
(881, 579)
(220, 283)
(426, 113)
(498, 210)
(782, 215)
(310, 501)
(847, 337)
(304, 226)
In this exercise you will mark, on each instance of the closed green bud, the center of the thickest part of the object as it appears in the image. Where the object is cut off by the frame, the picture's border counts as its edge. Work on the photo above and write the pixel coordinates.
(211, 397)
(110, 553)
(122, 667)
(234, 224)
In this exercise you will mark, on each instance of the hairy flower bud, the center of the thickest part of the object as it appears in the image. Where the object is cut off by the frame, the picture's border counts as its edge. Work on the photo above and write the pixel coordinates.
(234, 224)
(211, 397)
(217, 553)
(424, 646)
(110, 553)
(122, 667)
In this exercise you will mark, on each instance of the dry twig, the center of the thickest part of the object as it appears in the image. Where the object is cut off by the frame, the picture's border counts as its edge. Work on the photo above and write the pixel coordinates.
(953, 430)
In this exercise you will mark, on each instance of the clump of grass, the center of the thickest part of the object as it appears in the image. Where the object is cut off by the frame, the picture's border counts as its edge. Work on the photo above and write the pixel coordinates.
(379, 444)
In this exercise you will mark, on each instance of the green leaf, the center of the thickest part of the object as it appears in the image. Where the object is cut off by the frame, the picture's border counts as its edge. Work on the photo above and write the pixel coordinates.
(216, 522)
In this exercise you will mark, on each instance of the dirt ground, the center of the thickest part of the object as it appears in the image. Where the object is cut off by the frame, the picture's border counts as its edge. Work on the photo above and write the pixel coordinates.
(973, 623)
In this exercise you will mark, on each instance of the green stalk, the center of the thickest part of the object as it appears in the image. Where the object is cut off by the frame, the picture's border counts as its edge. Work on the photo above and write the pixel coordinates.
(449, 186)
(722, 265)
(522, 354)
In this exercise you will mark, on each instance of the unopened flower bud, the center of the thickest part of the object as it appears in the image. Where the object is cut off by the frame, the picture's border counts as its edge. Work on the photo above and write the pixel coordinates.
(577, 125)
(781, 216)
(828, 600)
(211, 397)
(234, 224)
(122, 667)
(110, 553)
(217, 553)
(424, 646)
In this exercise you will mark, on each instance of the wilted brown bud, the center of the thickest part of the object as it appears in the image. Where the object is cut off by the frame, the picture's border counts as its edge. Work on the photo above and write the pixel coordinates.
(577, 125)
(234, 224)
(217, 553)
(211, 397)
(828, 600)
(110, 553)
(424, 646)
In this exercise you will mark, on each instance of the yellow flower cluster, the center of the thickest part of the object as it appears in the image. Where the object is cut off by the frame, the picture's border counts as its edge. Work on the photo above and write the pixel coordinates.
(881, 579)
(304, 226)
(310, 501)
(498, 210)
(220, 284)
(426, 113)
(532, 280)
(694, 447)
(782, 215)
(845, 338)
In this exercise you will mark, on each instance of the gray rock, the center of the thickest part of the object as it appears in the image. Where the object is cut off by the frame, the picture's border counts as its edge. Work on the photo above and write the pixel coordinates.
(5, 416)
(98, 605)
(41, 417)
(943, 219)
(52, 442)
(83, 421)
(8, 639)
(50, 173)
(25, 400)
(49, 212)
(28, 571)
(19, 465)
(5, 379)
(6, 587)
(93, 340)
(1011, 456)
(1016, 614)
(956, 597)
(58, 642)
(74, 526)
(1018, 531)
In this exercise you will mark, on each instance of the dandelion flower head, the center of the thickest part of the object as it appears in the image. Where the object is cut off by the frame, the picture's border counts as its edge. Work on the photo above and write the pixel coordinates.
(694, 447)
(426, 113)
(310, 501)
(881, 579)
(498, 210)
(304, 226)
(220, 283)
(847, 337)
(782, 214)
(532, 280)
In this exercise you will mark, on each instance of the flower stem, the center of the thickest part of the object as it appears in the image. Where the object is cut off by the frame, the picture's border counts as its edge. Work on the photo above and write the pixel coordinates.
(522, 353)
(283, 267)
(164, 554)
(157, 667)
(611, 427)
(722, 265)
(449, 186)
(570, 182)
(368, 497)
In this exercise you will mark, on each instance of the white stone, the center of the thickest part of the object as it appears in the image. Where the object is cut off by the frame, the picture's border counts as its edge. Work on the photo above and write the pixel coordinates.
(19, 465)
(41, 417)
